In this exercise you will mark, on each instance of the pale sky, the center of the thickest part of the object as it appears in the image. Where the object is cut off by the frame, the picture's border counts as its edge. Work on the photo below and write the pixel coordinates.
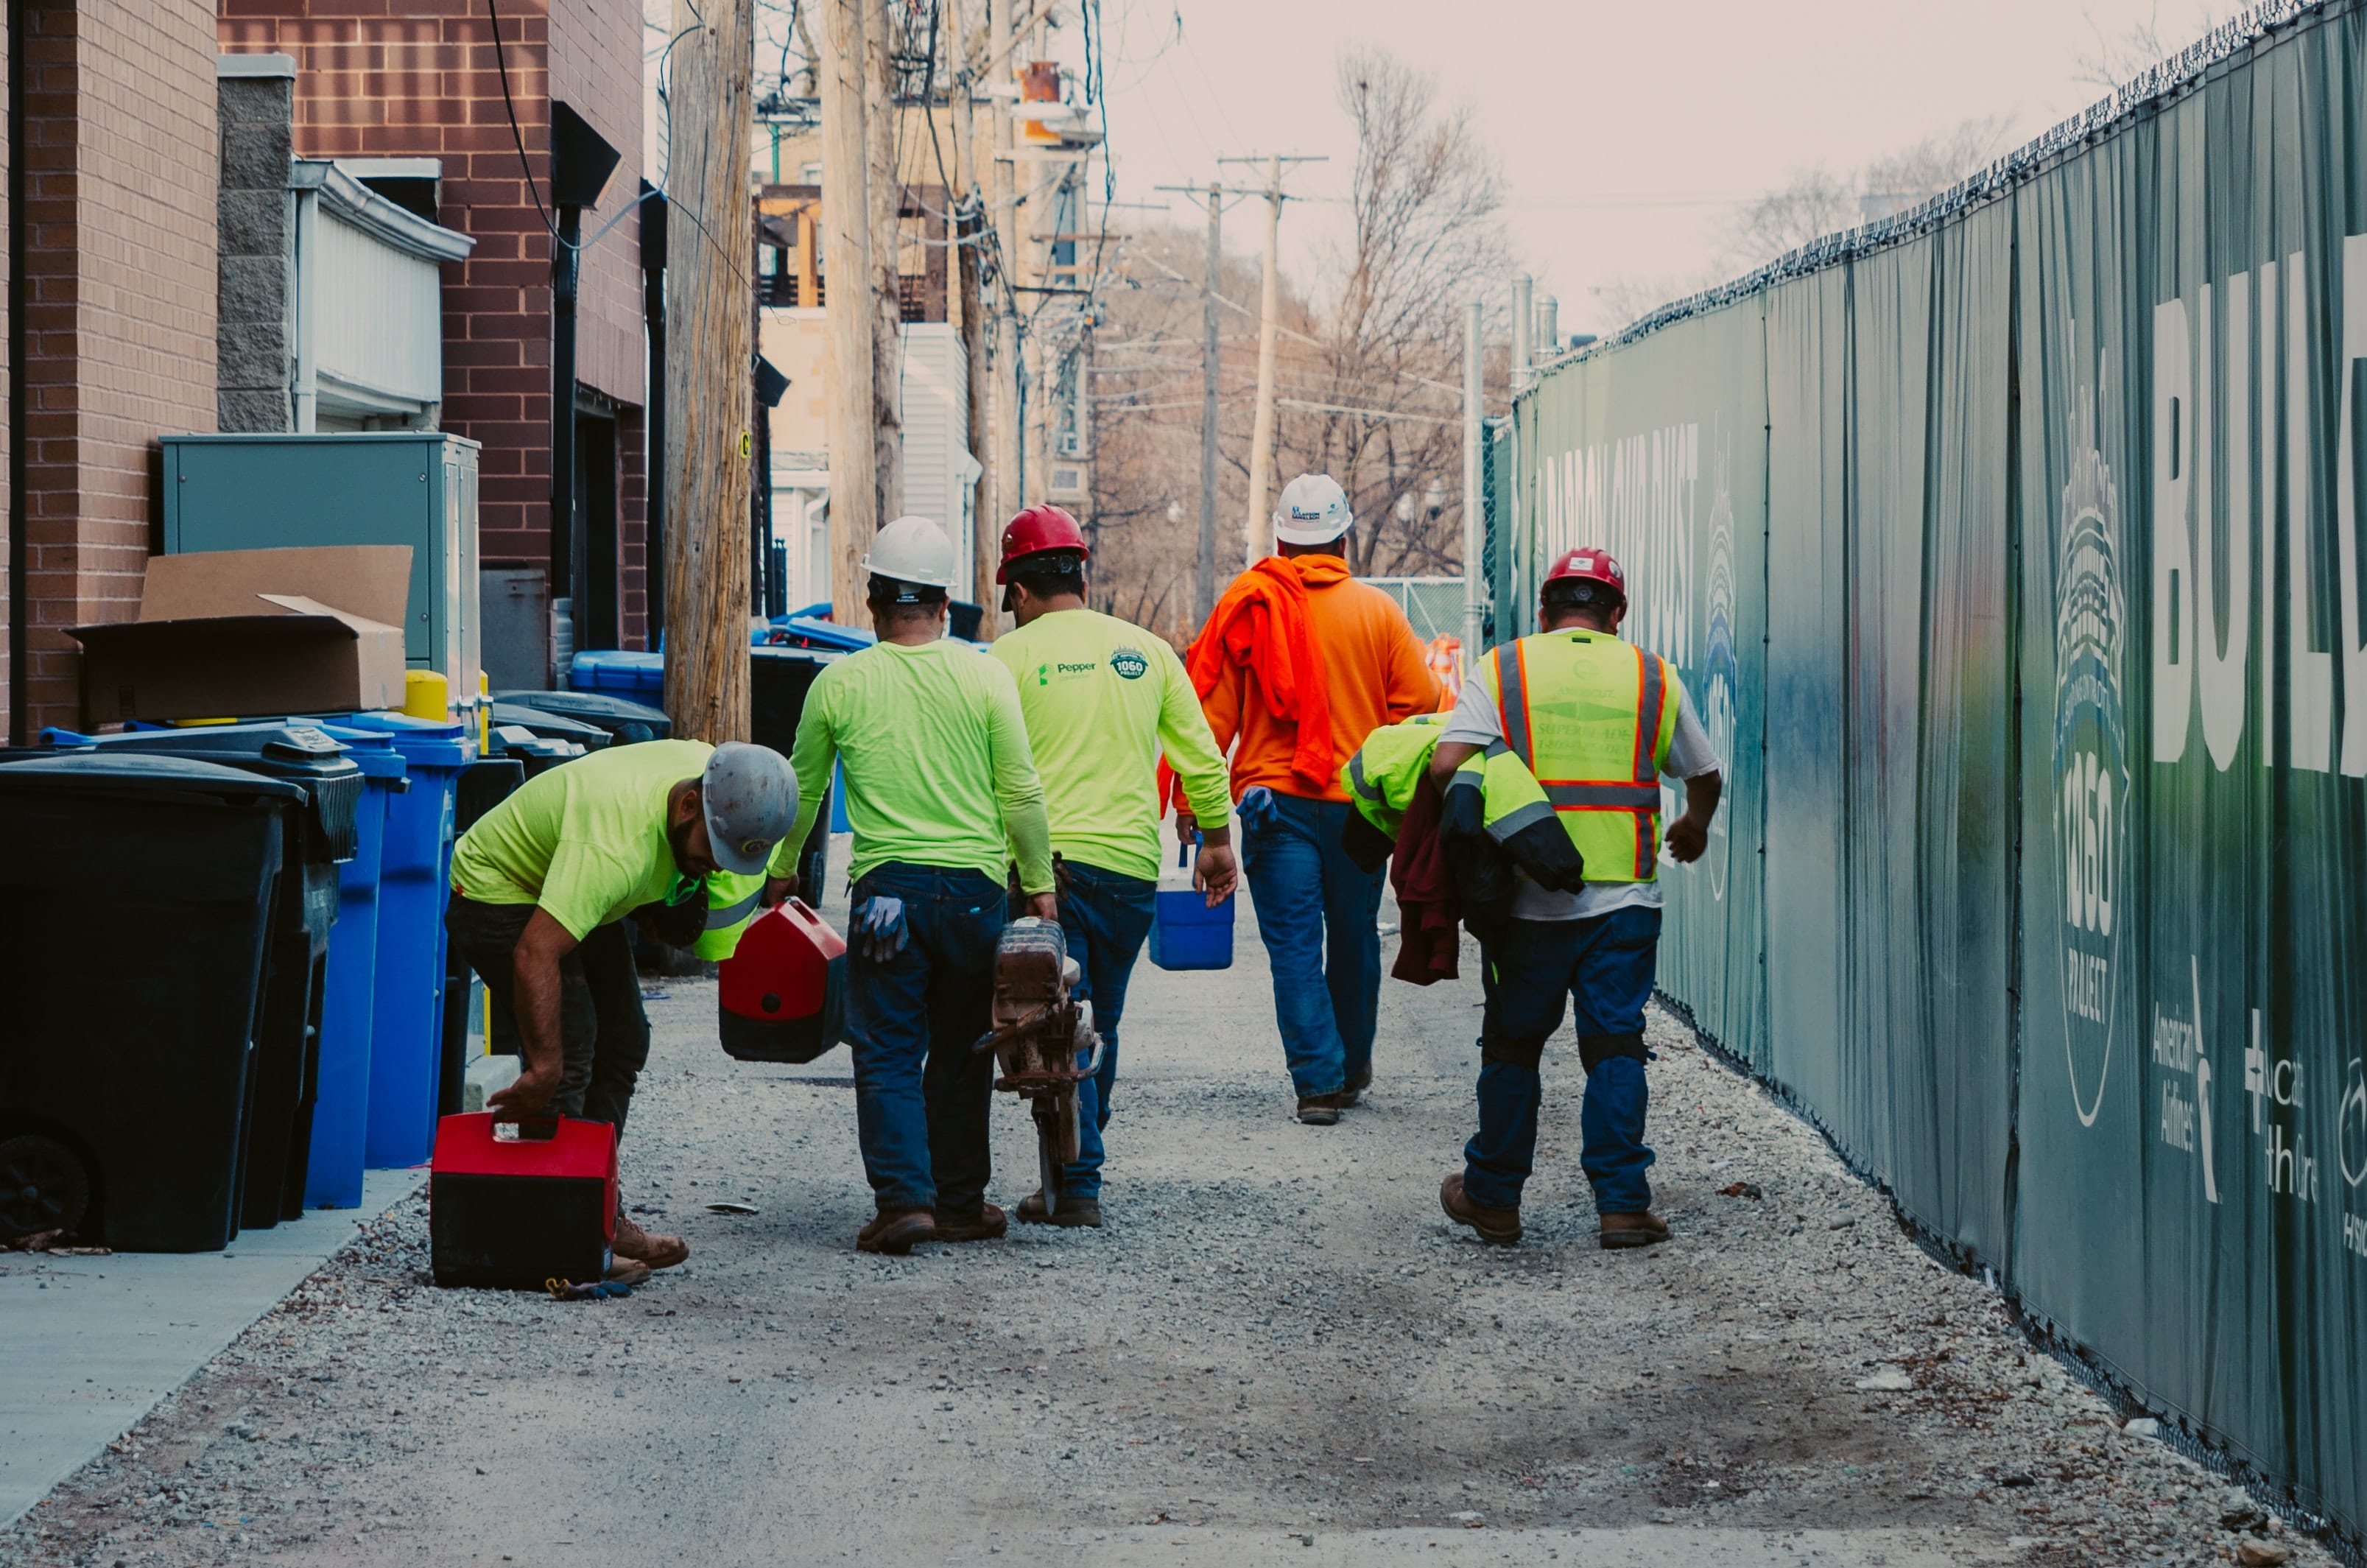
(1624, 129)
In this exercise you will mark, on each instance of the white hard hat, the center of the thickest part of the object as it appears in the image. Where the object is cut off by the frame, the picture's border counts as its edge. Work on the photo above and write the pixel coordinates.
(749, 795)
(1313, 510)
(913, 550)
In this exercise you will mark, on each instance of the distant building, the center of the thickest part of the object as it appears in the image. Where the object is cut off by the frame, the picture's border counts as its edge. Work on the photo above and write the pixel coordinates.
(407, 97)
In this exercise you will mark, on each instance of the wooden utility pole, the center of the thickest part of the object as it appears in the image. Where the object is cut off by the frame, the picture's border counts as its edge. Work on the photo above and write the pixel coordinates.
(847, 314)
(1258, 529)
(885, 187)
(1203, 584)
(1002, 90)
(968, 230)
(708, 388)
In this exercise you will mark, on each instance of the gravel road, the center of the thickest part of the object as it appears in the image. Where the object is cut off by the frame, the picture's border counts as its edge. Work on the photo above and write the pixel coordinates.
(1278, 1352)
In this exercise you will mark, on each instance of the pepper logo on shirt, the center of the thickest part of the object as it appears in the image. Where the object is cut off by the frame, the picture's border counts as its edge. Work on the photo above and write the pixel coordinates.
(1129, 663)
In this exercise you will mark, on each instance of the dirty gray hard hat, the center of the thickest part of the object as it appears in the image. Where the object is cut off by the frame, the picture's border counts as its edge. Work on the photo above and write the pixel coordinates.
(749, 795)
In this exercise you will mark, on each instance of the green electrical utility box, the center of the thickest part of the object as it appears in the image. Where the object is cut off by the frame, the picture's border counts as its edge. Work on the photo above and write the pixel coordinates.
(413, 488)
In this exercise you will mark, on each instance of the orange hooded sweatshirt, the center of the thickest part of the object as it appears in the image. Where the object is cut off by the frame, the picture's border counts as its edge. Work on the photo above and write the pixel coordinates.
(1300, 663)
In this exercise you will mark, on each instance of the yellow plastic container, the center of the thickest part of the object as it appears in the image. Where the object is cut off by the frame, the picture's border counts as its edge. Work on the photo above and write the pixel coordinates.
(425, 696)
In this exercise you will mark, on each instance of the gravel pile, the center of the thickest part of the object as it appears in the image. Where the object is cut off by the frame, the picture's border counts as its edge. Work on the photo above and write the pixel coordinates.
(1278, 1332)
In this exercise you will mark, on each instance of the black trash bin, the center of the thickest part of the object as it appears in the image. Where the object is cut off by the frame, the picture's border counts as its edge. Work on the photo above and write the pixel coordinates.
(625, 721)
(538, 755)
(128, 1058)
(549, 724)
(288, 1040)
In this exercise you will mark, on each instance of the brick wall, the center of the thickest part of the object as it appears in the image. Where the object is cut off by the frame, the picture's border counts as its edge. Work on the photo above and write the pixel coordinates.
(120, 265)
(418, 78)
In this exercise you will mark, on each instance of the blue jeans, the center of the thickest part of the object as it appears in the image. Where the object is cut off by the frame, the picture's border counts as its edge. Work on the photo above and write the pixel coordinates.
(922, 1098)
(1317, 912)
(1104, 918)
(1604, 967)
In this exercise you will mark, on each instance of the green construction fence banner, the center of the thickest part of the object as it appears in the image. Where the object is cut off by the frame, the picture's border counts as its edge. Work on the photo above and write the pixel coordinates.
(2013, 552)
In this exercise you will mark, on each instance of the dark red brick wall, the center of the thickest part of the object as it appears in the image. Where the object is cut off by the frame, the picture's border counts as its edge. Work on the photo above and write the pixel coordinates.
(418, 78)
(121, 167)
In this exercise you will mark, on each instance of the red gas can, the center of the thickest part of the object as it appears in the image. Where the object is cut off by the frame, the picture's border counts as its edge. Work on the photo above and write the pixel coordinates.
(783, 990)
(513, 1211)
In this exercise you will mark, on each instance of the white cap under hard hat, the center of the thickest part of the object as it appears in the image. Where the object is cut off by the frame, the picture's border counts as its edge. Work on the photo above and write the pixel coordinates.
(1313, 510)
(913, 550)
(750, 796)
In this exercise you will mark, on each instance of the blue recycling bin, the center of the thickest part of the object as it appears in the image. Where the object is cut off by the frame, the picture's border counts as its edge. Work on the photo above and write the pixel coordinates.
(407, 1017)
(332, 1172)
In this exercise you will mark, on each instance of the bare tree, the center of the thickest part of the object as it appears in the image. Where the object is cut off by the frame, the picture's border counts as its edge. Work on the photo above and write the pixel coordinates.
(1819, 202)
(2122, 56)
(1369, 370)
(1425, 198)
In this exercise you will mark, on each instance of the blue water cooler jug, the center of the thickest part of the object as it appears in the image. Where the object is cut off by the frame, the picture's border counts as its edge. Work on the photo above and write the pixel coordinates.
(1184, 932)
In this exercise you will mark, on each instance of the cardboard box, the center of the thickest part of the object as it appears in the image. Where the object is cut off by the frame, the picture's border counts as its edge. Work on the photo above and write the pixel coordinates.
(236, 633)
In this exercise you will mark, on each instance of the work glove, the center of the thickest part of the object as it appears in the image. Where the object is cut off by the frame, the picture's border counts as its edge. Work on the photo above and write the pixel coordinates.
(880, 930)
(1257, 810)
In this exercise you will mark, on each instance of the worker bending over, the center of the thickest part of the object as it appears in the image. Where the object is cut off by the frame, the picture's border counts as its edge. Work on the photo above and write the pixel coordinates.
(1596, 721)
(1300, 663)
(540, 887)
(938, 779)
(1103, 698)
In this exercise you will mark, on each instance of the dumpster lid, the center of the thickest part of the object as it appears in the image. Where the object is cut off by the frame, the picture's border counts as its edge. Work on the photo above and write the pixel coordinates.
(132, 774)
(432, 742)
(570, 703)
(296, 748)
(550, 726)
(374, 749)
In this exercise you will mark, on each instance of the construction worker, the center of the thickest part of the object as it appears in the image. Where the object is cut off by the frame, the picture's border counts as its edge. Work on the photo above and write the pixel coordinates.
(939, 779)
(1103, 698)
(1596, 722)
(1298, 663)
(540, 887)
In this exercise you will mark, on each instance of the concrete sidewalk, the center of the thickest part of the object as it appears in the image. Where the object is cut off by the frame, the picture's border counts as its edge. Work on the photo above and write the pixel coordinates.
(93, 1343)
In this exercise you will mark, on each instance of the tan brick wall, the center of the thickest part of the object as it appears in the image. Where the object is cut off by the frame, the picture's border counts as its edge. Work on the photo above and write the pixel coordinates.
(120, 266)
(418, 78)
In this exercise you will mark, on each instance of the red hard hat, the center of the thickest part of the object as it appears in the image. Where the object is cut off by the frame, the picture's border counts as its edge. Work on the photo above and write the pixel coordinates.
(1590, 564)
(1038, 529)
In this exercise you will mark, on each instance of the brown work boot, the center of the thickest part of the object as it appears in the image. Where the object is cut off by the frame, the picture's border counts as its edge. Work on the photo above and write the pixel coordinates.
(1354, 1093)
(1637, 1230)
(987, 1226)
(658, 1252)
(1084, 1212)
(627, 1271)
(1318, 1110)
(897, 1232)
(1500, 1227)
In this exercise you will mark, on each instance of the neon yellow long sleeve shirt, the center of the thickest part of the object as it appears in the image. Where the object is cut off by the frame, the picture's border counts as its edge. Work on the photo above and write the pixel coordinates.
(939, 771)
(1103, 699)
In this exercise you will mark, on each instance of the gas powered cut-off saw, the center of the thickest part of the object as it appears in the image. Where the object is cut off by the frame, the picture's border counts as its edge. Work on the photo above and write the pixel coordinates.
(1040, 1032)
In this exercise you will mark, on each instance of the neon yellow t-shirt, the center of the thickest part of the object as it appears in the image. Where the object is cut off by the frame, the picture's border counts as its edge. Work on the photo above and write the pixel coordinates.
(1103, 697)
(587, 841)
(939, 772)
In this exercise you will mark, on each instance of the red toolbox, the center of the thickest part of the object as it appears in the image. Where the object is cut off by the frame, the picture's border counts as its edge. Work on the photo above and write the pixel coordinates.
(782, 993)
(532, 1203)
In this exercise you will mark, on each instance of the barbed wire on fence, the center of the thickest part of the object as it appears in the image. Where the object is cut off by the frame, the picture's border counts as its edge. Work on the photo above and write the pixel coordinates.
(2141, 94)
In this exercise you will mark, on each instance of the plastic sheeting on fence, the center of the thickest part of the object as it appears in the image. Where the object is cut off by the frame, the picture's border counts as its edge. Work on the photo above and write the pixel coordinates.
(2016, 566)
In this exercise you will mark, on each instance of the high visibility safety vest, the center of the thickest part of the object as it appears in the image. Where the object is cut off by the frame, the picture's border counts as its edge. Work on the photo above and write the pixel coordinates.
(1591, 718)
(732, 902)
(1382, 776)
